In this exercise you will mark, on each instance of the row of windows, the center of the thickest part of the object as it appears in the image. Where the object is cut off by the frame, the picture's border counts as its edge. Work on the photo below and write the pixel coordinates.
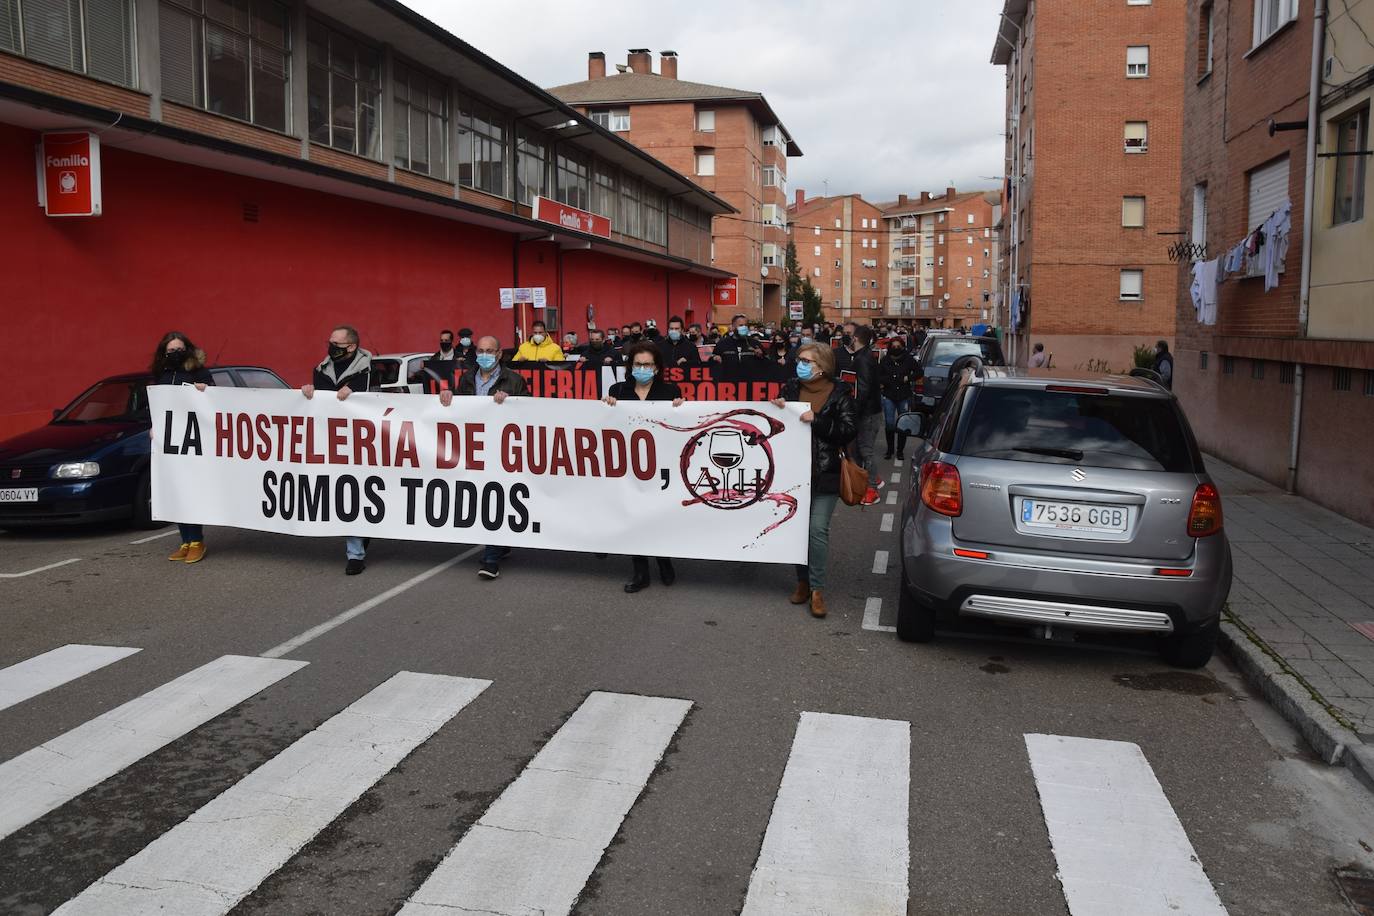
(233, 58)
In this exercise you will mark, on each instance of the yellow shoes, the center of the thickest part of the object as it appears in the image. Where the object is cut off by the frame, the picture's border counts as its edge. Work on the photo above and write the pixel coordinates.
(195, 551)
(180, 552)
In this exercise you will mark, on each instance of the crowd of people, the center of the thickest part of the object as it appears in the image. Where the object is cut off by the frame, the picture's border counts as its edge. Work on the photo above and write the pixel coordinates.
(850, 385)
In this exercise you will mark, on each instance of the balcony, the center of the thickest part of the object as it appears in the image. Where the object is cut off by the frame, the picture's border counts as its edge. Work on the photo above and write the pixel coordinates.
(706, 138)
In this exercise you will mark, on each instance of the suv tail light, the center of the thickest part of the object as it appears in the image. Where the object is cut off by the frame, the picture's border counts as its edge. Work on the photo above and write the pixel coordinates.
(941, 490)
(1204, 517)
(920, 385)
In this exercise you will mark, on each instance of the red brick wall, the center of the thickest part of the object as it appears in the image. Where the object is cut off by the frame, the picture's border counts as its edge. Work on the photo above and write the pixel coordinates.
(68, 85)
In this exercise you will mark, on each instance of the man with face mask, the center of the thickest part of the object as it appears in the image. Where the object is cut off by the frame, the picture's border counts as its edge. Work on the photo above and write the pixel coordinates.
(539, 346)
(347, 368)
(489, 379)
(857, 357)
(597, 352)
(738, 344)
(677, 348)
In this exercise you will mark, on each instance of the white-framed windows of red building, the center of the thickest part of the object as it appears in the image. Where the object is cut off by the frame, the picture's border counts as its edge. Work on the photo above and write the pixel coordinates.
(229, 57)
(572, 178)
(1352, 166)
(531, 166)
(343, 91)
(1270, 16)
(421, 121)
(93, 37)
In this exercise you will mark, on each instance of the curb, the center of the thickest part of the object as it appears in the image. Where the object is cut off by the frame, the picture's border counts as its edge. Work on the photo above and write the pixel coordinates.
(1332, 741)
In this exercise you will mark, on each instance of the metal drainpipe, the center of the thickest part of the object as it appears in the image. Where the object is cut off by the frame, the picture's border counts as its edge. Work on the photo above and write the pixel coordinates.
(1308, 215)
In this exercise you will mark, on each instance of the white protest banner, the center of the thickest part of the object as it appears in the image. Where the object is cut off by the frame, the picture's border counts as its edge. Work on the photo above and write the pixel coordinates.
(707, 480)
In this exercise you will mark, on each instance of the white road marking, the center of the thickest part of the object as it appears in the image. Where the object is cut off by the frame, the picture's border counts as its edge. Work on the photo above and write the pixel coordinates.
(209, 862)
(39, 569)
(873, 607)
(534, 848)
(893, 496)
(895, 477)
(154, 537)
(29, 678)
(880, 561)
(52, 774)
(294, 643)
(1119, 846)
(886, 523)
(837, 839)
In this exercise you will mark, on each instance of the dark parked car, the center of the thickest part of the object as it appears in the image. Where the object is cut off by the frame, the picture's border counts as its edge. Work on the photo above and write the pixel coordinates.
(945, 355)
(91, 463)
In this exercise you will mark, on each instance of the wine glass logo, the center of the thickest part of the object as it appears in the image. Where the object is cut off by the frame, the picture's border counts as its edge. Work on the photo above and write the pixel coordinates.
(726, 451)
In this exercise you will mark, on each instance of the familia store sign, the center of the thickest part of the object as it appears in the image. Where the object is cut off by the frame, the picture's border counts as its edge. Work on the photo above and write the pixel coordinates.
(69, 174)
(551, 211)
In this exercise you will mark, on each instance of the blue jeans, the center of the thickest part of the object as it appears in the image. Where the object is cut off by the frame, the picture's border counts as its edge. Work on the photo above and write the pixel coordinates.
(354, 548)
(818, 539)
(492, 556)
(892, 410)
(190, 532)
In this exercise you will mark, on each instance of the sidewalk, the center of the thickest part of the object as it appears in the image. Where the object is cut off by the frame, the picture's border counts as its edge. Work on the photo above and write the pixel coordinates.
(1304, 580)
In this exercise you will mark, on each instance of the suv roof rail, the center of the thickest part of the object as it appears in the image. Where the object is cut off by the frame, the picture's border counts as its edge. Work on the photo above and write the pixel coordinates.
(1149, 375)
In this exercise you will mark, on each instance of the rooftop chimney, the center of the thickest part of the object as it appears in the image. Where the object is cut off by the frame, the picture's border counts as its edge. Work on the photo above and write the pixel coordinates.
(640, 61)
(596, 65)
(667, 64)
(800, 198)
(949, 193)
(925, 197)
(901, 200)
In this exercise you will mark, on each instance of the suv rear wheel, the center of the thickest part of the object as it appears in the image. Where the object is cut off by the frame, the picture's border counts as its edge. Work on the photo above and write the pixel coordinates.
(1191, 650)
(915, 619)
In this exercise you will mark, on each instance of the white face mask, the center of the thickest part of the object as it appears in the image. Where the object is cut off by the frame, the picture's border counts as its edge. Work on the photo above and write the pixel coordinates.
(538, 338)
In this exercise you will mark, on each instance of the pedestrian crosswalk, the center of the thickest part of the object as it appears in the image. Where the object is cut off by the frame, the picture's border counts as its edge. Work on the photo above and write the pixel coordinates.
(836, 842)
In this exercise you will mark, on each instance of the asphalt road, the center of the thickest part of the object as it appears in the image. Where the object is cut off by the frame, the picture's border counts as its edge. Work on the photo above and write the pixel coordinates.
(1266, 822)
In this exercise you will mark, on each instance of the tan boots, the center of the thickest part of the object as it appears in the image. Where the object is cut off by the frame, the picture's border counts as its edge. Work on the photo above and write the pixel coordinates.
(817, 604)
(804, 594)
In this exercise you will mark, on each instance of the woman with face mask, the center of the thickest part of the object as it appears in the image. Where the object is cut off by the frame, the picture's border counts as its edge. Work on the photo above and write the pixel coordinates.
(176, 361)
(834, 420)
(645, 365)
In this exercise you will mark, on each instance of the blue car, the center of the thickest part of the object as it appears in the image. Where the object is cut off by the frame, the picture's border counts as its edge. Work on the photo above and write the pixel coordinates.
(91, 463)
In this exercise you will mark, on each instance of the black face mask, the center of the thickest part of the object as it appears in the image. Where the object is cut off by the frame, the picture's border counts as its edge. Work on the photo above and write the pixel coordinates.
(337, 352)
(445, 345)
(596, 344)
(174, 358)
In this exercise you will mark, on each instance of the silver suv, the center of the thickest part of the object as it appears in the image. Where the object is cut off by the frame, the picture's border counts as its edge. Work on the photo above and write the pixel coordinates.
(1055, 500)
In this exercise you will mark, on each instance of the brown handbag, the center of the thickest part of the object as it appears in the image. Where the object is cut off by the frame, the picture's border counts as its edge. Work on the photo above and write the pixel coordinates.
(853, 481)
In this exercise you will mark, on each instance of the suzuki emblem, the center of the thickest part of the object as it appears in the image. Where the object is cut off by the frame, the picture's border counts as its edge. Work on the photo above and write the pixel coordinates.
(1078, 474)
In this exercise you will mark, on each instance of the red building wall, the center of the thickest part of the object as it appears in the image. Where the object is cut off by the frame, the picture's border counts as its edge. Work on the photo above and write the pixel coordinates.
(86, 298)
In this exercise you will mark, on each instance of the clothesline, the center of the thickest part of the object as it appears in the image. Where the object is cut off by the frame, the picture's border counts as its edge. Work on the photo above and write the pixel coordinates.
(1264, 247)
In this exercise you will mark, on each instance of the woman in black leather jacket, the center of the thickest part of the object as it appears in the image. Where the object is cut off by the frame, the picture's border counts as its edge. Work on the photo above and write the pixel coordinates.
(834, 420)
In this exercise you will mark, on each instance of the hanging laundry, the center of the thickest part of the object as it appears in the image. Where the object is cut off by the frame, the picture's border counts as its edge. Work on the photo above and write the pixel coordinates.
(1276, 229)
(1204, 290)
(1235, 259)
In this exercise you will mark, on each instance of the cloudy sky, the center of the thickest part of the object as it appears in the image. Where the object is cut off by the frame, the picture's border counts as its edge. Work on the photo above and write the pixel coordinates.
(883, 96)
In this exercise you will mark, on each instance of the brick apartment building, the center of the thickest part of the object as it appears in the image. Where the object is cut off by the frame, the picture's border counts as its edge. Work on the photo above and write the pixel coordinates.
(1093, 128)
(943, 253)
(1283, 383)
(842, 248)
(729, 140)
(368, 167)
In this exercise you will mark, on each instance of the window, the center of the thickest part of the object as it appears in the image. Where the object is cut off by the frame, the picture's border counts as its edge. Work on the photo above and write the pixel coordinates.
(604, 196)
(817, 251)
(969, 239)
(940, 218)
(1286, 373)
(232, 59)
(531, 167)
(1138, 61)
(1202, 362)
(1137, 136)
(817, 229)
(773, 177)
(838, 262)
(942, 260)
(837, 223)
(1340, 379)
(816, 272)
(344, 88)
(770, 255)
(970, 262)
(838, 243)
(1268, 189)
(421, 122)
(970, 219)
(940, 238)
(1132, 283)
(864, 223)
(483, 151)
(1228, 365)
(617, 119)
(1272, 15)
(1137, 2)
(1133, 212)
(865, 242)
(1257, 369)
(706, 163)
(572, 178)
(706, 120)
(631, 197)
(94, 37)
(1199, 220)
(1352, 139)
(1204, 40)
